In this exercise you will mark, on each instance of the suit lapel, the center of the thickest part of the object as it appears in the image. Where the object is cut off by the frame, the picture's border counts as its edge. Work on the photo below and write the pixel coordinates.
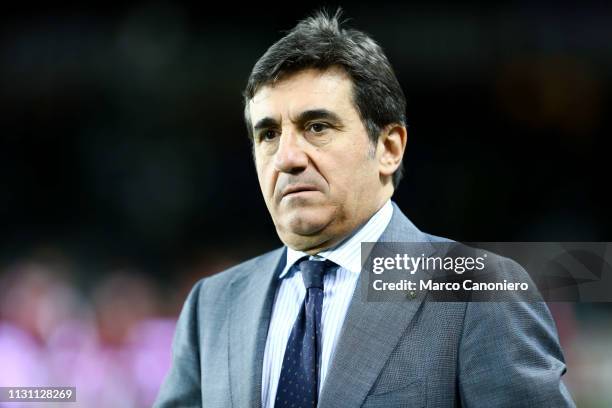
(252, 295)
(371, 331)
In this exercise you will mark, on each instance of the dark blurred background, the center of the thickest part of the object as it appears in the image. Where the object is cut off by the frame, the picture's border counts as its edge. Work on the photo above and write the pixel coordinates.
(126, 172)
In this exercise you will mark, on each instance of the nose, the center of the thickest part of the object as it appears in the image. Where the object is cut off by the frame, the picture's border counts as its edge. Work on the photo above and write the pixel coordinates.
(290, 156)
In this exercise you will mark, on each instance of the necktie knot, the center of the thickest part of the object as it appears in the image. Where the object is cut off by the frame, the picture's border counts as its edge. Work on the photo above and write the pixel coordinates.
(312, 273)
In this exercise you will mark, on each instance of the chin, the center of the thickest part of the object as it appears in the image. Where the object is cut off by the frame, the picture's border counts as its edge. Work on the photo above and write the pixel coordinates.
(304, 224)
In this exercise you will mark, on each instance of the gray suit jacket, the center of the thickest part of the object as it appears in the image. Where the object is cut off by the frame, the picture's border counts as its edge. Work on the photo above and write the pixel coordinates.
(389, 354)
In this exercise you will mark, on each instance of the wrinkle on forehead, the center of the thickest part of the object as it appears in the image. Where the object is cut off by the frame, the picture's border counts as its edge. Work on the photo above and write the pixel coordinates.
(334, 75)
(298, 92)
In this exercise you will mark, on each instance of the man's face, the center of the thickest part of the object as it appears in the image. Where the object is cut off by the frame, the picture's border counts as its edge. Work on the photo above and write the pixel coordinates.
(317, 168)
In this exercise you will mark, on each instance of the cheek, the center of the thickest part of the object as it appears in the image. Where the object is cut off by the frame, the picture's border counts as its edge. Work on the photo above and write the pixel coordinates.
(265, 176)
(358, 165)
(359, 176)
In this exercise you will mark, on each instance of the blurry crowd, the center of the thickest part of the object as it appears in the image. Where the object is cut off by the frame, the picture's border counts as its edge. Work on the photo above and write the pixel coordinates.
(110, 339)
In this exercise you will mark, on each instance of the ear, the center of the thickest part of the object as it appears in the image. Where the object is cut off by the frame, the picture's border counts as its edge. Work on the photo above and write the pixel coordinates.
(391, 146)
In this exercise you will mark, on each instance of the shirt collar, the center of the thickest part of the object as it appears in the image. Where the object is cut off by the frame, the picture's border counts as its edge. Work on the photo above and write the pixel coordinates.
(347, 254)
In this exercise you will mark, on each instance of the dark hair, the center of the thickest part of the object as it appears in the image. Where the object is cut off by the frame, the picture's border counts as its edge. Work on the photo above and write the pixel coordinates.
(319, 42)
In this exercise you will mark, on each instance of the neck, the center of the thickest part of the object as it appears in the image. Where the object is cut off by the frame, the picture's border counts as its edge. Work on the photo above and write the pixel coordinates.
(319, 246)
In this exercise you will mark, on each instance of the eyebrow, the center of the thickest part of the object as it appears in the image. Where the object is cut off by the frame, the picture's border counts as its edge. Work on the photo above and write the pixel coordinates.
(308, 115)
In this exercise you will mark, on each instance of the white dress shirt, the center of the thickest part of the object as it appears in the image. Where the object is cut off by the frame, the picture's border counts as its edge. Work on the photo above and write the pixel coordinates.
(337, 293)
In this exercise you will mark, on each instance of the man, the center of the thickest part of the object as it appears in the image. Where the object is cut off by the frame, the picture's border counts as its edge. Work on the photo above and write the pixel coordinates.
(326, 117)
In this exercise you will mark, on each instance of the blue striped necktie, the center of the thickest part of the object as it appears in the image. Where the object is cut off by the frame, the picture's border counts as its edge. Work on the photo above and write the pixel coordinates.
(298, 385)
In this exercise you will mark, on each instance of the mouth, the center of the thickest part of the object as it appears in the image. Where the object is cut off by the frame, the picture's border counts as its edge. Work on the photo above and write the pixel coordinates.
(297, 189)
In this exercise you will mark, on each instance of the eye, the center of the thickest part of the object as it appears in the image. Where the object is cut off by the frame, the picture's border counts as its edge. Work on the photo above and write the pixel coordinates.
(317, 127)
(267, 135)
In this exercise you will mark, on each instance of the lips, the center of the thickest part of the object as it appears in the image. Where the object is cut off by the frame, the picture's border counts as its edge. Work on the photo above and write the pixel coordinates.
(298, 188)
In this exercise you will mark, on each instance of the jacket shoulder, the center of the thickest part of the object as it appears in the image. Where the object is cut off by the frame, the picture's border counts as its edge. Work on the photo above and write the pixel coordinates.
(219, 282)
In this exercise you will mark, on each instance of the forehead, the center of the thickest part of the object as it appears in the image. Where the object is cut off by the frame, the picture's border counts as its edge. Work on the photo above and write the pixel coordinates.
(307, 89)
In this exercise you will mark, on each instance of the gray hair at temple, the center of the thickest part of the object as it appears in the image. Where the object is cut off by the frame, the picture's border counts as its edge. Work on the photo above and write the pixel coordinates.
(320, 42)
